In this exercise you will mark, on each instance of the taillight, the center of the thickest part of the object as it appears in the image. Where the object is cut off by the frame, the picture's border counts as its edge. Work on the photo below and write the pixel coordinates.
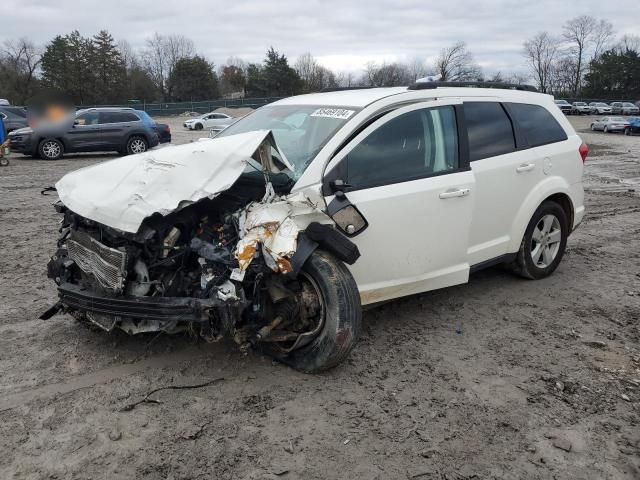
(583, 151)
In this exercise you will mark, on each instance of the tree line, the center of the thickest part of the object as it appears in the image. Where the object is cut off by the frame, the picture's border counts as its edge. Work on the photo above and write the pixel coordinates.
(584, 59)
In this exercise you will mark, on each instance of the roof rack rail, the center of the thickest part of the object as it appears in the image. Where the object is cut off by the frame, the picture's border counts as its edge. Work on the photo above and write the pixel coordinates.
(340, 89)
(507, 86)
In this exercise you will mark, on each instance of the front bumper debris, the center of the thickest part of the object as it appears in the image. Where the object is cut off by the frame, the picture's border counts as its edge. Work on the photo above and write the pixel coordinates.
(163, 309)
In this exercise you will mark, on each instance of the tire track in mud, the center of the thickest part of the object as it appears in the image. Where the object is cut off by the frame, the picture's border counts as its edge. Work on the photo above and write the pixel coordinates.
(101, 376)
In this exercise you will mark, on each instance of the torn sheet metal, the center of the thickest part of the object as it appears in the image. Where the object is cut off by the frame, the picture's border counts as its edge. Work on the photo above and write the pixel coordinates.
(273, 228)
(122, 192)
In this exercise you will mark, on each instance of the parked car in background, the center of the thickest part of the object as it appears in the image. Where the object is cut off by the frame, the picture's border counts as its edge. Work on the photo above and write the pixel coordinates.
(123, 130)
(599, 108)
(564, 106)
(215, 121)
(624, 108)
(13, 118)
(4, 101)
(609, 124)
(580, 108)
(281, 256)
(634, 126)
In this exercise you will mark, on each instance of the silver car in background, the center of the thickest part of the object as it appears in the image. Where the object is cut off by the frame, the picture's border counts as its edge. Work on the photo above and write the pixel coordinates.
(580, 108)
(599, 108)
(610, 124)
(213, 121)
(624, 108)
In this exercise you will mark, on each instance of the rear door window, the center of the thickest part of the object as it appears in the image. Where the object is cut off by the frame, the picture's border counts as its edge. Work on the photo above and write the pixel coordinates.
(538, 125)
(489, 130)
(118, 117)
(414, 145)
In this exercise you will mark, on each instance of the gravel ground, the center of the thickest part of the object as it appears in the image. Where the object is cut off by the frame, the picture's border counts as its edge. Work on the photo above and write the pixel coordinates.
(498, 378)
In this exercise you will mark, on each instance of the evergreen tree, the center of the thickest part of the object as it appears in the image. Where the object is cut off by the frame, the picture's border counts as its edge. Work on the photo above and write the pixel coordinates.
(193, 79)
(280, 80)
(108, 69)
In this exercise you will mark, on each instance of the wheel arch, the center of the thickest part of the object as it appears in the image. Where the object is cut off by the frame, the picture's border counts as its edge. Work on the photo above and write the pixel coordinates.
(556, 189)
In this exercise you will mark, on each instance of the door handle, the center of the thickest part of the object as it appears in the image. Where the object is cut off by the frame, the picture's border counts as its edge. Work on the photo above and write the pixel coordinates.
(461, 192)
(526, 167)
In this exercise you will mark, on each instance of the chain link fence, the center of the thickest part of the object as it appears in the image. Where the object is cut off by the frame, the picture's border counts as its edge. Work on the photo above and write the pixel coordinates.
(177, 108)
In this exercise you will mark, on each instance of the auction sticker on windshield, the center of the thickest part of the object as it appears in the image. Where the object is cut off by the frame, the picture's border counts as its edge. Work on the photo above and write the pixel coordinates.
(340, 113)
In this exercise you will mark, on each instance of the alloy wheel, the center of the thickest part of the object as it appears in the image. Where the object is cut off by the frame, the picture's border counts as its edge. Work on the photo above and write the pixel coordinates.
(51, 149)
(545, 241)
(138, 146)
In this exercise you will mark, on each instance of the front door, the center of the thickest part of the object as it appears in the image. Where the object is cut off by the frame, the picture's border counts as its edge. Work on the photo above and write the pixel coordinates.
(84, 134)
(408, 174)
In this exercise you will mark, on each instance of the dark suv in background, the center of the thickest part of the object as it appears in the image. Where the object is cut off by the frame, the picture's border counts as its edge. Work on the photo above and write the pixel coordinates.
(124, 130)
(13, 118)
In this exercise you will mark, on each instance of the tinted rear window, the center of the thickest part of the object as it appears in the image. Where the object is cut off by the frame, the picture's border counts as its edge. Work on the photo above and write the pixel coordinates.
(489, 129)
(118, 117)
(538, 125)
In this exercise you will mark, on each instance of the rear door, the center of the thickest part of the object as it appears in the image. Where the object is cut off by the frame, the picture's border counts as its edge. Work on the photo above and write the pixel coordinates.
(116, 128)
(505, 172)
(408, 175)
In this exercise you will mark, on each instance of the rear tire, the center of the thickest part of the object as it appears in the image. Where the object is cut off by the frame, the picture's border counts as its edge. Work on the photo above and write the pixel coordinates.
(544, 242)
(50, 149)
(342, 318)
(627, 132)
(137, 144)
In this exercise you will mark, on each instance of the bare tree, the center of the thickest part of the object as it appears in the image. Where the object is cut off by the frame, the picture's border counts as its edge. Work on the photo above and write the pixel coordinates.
(416, 68)
(127, 53)
(602, 37)
(578, 33)
(562, 75)
(310, 71)
(540, 53)
(162, 54)
(456, 63)
(20, 61)
(629, 42)
(346, 79)
(385, 75)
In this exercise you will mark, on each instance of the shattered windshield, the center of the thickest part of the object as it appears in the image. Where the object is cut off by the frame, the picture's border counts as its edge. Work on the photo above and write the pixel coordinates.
(300, 131)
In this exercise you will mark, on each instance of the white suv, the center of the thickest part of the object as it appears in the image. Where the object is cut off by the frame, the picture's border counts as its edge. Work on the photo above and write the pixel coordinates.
(255, 234)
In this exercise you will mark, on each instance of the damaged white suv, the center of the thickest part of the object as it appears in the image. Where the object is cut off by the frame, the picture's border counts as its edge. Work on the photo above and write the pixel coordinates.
(276, 232)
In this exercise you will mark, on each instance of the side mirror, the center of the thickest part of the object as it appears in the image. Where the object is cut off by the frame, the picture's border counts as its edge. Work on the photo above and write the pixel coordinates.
(346, 216)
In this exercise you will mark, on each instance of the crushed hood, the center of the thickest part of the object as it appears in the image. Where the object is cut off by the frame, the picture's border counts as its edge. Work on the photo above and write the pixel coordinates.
(122, 192)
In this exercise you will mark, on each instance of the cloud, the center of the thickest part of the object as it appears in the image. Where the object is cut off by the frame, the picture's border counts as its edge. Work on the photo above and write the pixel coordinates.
(343, 35)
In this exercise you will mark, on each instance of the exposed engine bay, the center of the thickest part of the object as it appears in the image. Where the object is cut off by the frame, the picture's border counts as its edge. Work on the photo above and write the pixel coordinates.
(228, 266)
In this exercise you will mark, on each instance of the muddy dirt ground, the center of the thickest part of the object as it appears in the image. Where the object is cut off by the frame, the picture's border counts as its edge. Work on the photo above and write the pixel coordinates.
(499, 378)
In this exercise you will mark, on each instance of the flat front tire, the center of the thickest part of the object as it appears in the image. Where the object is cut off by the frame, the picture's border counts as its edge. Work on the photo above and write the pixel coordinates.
(544, 242)
(342, 317)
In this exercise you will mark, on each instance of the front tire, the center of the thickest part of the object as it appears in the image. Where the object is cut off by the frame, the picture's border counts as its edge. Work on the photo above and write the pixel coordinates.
(606, 129)
(136, 145)
(593, 128)
(342, 316)
(544, 242)
(627, 132)
(50, 149)
(199, 126)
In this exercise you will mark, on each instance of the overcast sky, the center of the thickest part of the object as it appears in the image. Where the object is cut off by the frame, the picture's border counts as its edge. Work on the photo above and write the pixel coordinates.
(342, 35)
